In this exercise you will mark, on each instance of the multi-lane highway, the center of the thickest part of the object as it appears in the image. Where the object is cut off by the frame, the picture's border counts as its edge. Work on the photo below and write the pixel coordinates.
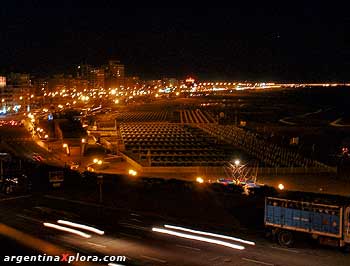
(128, 233)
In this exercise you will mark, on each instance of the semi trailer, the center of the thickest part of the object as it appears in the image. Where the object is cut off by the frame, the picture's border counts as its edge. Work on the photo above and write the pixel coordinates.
(329, 224)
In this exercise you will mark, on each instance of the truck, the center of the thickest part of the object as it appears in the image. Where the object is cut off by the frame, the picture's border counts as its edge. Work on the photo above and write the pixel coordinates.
(329, 224)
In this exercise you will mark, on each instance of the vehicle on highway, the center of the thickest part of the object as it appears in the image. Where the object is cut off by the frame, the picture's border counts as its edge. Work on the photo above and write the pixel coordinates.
(74, 165)
(97, 166)
(90, 168)
(329, 224)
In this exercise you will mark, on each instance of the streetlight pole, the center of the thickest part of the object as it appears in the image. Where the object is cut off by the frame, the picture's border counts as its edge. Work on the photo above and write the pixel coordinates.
(100, 182)
(2, 170)
(2, 157)
(82, 147)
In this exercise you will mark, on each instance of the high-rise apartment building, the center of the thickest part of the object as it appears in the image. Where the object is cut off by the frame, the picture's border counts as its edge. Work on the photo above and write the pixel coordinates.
(96, 78)
(16, 92)
(115, 74)
(94, 75)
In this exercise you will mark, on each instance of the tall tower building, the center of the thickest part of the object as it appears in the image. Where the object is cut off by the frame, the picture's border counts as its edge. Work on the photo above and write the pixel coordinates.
(97, 78)
(115, 74)
(83, 70)
(17, 91)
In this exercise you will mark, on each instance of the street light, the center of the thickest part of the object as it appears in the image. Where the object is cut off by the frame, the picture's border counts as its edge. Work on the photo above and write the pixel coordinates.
(280, 186)
(3, 156)
(82, 147)
(100, 183)
(65, 146)
(236, 171)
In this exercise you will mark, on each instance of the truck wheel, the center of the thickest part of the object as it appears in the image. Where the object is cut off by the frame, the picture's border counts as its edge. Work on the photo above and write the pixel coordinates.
(285, 238)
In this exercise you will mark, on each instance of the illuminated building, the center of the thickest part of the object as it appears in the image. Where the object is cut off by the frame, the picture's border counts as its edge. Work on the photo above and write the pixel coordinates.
(2, 81)
(15, 92)
(94, 75)
(96, 78)
(115, 74)
(83, 71)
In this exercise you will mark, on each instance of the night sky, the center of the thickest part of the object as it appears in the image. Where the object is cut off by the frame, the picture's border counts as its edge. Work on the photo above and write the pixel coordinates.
(244, 42)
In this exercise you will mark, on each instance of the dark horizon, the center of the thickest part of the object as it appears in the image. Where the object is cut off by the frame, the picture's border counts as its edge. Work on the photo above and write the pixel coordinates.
(300, 44)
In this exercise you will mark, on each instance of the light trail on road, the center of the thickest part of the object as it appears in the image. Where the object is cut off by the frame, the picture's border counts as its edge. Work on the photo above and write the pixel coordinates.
(199, 238)
(82, 226)
(66, 229)
(209, 234)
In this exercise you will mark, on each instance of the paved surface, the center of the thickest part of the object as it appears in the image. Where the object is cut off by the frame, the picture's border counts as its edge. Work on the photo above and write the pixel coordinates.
(129, 233)
(19, 142)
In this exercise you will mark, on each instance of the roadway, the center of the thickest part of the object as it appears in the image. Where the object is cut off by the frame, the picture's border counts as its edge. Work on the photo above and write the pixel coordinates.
(129, 233)
(19, 142)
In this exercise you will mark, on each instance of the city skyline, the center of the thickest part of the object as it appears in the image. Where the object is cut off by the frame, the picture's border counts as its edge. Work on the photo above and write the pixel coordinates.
(190, 136)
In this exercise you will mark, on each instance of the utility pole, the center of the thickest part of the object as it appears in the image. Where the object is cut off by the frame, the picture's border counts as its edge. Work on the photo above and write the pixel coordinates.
(2, 170)
(100, 183)
(236, 114)
(3, 156)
